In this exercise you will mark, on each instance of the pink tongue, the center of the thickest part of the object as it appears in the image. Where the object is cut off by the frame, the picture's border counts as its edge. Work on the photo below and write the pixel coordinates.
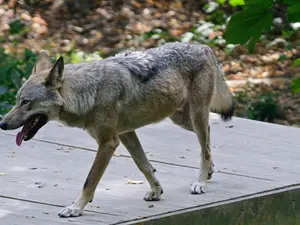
(20, 136)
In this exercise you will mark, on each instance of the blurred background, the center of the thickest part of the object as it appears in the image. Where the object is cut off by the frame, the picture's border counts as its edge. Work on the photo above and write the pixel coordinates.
(83, 30)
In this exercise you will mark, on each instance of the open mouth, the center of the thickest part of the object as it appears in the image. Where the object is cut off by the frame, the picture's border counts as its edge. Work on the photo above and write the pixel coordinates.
(31, 127)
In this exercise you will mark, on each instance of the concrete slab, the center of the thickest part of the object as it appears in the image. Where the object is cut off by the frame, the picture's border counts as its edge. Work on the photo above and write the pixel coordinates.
(252, 159)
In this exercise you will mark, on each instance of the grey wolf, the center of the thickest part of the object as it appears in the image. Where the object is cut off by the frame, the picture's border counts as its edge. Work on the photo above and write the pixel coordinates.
(111, 98)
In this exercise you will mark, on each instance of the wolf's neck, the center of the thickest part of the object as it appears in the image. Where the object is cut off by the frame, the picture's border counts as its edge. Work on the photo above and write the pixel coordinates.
(79, 89)
(72, 120)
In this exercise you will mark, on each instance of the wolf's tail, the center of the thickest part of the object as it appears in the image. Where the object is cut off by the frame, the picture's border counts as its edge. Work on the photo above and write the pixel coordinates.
(222, 101)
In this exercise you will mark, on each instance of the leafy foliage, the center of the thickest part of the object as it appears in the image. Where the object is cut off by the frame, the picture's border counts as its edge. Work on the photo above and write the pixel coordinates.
(293, 10)
(13, 71)
(16, 27)
(296, 62)
(296, 83)
(296, 86)
(247, 26)
(264, 108)
(236, 2)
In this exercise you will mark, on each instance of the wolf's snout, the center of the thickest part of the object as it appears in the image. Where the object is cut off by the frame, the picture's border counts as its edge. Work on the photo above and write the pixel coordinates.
(3, 125)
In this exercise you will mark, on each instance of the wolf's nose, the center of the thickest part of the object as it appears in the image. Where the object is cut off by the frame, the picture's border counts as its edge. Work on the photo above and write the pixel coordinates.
(3, 125)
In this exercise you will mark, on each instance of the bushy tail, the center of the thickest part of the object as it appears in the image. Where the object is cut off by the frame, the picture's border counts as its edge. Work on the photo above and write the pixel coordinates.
(222, 101)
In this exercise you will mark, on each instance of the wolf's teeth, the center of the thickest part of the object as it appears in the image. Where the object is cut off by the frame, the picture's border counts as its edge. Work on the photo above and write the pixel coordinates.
(35, 122)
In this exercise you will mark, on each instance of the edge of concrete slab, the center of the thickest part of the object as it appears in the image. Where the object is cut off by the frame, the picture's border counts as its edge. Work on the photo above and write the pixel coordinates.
(275, 207)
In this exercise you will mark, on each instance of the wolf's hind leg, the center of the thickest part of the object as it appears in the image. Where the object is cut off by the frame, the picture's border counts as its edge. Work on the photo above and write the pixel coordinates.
(200, 96)
(200, 122)
(107, 145)
(134, 147)
(183, 120)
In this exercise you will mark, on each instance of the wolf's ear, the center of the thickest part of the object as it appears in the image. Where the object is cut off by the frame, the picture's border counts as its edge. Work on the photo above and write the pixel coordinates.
(54, 78)
(42, 63)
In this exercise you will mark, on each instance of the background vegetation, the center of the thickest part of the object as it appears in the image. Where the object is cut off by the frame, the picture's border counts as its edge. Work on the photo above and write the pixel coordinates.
(257, 41)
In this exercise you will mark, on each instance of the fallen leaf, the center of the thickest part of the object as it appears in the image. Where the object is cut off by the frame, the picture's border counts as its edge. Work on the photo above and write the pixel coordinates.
(135, 182)
(117, 154)
(3, 174)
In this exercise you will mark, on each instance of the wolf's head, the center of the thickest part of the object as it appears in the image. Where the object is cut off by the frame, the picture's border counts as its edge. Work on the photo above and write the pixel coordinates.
(37, 101)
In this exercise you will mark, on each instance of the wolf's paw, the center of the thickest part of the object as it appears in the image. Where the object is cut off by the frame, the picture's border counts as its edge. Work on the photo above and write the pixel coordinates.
(154, 195)
(70, 211)
(198, 188)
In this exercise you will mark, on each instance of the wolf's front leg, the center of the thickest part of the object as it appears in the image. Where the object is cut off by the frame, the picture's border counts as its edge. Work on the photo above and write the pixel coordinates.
(107, 146)
(134, 147)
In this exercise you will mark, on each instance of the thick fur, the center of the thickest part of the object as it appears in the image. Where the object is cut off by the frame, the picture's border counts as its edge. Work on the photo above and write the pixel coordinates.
(111, 98)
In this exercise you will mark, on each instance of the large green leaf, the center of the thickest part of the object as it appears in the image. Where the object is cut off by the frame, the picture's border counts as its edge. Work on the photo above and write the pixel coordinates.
(293, 12)
(249, 25)
(251, 44)
(289, 2)
(260, 3)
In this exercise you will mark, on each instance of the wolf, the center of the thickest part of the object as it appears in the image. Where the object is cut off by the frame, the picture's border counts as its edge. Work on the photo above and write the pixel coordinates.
(113, 97)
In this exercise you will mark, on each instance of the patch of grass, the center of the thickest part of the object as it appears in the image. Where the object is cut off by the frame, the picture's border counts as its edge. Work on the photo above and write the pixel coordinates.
(265, 107)
(242, 97)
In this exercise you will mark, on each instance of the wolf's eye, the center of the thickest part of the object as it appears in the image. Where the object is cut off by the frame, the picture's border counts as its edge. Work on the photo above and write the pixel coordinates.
(25, 102)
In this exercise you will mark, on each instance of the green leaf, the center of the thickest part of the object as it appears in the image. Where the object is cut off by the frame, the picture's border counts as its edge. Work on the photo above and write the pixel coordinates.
(251, 45)
(293, 12)
(236, 2)
(29, 54)
(16, 77)
(282, 57)
(16, 26)
(290, 2)
(3, 71)
(260, 3)
(296, 62)
(221, 2)
(28, 70)
(247, 24)
(295, 86)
